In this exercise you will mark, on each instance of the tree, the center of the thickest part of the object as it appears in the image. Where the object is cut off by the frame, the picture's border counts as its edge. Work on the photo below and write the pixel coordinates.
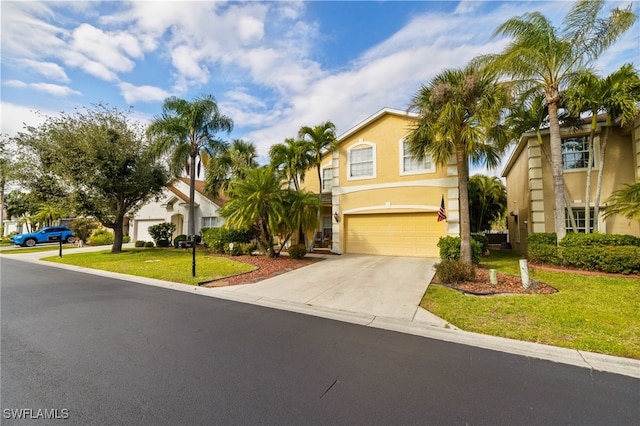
(7, 175)
(625, 202)
(616, 95)
(230, 163)
(102, 157)
(487, 201)
(541, 57)
(183, 131)
(321, 139)
(459, 114)
(256, 200)
(302, 209)
(292, 159)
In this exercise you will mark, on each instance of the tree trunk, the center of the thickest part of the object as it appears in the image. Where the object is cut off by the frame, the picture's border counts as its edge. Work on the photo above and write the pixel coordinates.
(596, 201)
(587, 195)
(192, 193)
(118, 226)
(555, 142)
(463, 189)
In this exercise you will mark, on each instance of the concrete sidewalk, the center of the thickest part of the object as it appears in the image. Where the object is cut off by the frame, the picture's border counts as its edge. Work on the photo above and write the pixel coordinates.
(373, 291)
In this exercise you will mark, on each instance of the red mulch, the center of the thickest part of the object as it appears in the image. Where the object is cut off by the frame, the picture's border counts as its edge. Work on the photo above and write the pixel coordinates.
(266, 268)
(507, 284)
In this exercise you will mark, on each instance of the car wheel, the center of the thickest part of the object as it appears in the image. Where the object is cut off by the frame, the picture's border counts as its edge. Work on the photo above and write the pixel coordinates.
(70, 239)
(30, 242)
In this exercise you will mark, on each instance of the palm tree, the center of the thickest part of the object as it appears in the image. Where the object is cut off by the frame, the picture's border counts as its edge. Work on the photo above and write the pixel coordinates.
(616, 95)
(302, 209)
(231, 162)
(625, 202)
(459, 115)
(542, 57)
(487, 201)
(48, 213)
(256, 200)
(292, 158)
(322, 139)
(183, 130)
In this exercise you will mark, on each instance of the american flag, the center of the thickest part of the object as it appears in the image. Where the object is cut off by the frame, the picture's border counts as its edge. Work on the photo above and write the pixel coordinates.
(441, 214)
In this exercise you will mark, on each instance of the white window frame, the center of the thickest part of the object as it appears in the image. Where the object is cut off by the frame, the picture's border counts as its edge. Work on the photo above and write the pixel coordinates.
(359, 145)
(430, 169)
(216, 219)
(581, 225)
(593, 158)
(327, 182)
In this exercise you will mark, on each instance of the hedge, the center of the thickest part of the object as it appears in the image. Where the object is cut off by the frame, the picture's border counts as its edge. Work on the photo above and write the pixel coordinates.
(600, 252)
(218, 239)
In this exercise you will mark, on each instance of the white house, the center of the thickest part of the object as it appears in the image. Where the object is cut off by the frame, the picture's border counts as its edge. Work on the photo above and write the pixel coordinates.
(173, 206)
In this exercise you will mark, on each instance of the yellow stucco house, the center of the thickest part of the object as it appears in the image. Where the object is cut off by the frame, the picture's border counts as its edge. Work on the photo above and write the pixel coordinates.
(530, 185)
(377, 199)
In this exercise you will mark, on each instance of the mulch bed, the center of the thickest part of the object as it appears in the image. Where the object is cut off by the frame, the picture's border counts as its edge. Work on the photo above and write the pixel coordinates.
(266, 268)
(507, 284)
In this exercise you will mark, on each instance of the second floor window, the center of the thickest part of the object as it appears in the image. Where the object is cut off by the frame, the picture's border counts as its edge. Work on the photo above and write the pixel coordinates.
(327, 179)
(361, 162)
(409, 165)
(575, 153)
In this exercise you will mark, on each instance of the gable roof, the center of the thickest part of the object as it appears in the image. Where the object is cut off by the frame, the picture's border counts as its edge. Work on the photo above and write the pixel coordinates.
(200, 188)
(367, 121)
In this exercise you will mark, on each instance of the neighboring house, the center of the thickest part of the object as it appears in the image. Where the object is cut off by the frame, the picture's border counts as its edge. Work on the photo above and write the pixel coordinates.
(529, 181)
(173, 206)
(376, 199)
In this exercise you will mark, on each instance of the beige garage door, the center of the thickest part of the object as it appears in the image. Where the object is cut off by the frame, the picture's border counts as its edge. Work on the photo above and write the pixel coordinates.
(399, 234)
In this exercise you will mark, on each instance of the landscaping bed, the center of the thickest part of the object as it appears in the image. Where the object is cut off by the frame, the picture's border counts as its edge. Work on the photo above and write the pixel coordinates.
(266, 268)
(507, 284)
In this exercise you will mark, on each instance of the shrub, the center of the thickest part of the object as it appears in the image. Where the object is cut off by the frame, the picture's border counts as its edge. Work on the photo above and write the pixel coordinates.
(542, 248)
(573, 239)
(248, 248)
(548, 238)
(162, 233)
(233, 249)
(614, 259)
(83, 228)
(178, 239)
(450, 249)
(218, 239)
(483, 240)
(101, 237)
(149, 244)
(297, 252)
(454, 271)
(139, 243)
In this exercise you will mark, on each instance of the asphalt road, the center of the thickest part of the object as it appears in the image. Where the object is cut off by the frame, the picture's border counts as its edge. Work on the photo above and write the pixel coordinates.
(94, 350)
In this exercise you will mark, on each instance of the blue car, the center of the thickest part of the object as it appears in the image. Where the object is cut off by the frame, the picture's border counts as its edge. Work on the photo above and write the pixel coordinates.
(49, 234)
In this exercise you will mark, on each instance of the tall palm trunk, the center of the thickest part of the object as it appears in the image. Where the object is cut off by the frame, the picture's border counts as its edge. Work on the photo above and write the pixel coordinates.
(596, 201)
(587, 185)
(462, 161)
(192, 194)
(555, 142)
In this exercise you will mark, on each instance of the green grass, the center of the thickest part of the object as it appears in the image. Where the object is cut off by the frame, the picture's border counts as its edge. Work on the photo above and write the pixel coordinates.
(591, 313)
(160, 263)
(12, 249)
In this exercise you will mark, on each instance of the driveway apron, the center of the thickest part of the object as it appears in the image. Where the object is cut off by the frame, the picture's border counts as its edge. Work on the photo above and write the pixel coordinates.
(382, 286)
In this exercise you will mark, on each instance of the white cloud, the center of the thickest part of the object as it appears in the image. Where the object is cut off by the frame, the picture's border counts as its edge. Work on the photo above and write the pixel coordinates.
(15, 83)
(134, 94)
(14, 117)
(54, 89)
(49, 70)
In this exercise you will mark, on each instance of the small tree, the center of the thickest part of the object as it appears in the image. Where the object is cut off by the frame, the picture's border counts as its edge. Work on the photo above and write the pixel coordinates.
(83, 227)
(162, 233)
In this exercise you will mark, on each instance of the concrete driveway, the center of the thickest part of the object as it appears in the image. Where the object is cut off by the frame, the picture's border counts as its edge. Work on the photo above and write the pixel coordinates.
(375, 285)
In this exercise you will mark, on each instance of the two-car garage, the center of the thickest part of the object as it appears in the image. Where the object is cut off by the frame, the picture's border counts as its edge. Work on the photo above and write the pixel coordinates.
(395, 234)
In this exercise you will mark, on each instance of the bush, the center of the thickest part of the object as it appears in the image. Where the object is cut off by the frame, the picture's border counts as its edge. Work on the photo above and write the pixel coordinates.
(149, 244)
(83, 228)
(139, 243)
(233, 249)
(248, 248)
(548, 238)
(297, 252)
(101, 237)
(483, 240)
(218, 239)
(126, 239)
(162, 233)
(450, 249)
(454, 271)
(587, 240)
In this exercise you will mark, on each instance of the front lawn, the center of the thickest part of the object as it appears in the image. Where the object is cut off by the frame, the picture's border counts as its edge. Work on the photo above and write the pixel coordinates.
(589, 312)
(161, 263)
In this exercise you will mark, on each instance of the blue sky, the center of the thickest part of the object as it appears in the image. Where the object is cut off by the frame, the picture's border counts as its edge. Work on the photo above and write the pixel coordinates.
(272, 66)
